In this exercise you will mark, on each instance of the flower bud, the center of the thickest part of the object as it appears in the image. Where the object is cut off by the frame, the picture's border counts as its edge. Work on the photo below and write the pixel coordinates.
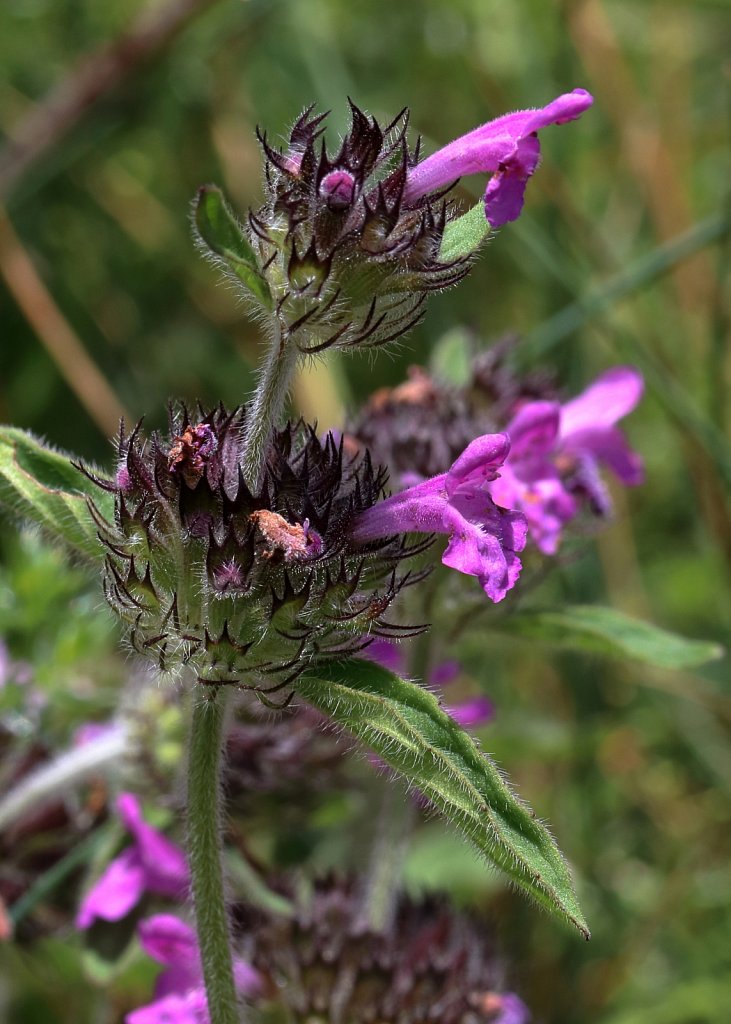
(248, 588)
(346, 259)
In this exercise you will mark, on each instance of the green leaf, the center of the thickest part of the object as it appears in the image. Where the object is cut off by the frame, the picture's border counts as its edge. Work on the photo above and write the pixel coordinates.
(599, 630)
(224, 239)
(465, 235)
(406, 727)
(451, 357)
(43, 486)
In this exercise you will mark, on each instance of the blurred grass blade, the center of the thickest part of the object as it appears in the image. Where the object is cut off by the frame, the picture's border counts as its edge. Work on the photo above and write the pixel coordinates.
(464, 236)
(404, 724)
(41, 485)
(645, 270)
(224, 240)
(598, 630)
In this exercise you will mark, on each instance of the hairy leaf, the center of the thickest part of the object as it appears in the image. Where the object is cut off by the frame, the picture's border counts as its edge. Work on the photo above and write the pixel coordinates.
(42, 486)
(465, 235)
(406, 727)
(599, 630)
(223, 238)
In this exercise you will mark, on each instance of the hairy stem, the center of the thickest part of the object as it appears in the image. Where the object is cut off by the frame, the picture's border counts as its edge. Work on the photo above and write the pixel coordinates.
(269, 399)
(204, 854)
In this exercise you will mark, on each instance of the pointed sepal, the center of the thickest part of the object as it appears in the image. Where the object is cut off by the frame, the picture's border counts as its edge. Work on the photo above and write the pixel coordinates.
(463, 237)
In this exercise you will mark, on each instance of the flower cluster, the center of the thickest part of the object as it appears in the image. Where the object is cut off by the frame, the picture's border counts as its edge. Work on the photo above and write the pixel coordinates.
(426, 956)
(347, 245)
(549, 465)
(347, 260)
(246, 587)
(326, 963)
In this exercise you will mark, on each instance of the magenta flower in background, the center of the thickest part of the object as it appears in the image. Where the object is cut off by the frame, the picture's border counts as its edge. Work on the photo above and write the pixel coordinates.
(180, 996)
(556, 452)
(483, 539)
(507, 148)
(151, 864)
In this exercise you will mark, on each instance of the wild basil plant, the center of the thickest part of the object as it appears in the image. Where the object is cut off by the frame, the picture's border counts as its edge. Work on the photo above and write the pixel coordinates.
(245, 552)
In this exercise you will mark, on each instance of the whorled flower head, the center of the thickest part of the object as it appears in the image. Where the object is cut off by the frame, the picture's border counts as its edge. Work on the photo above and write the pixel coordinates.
(419, 427)
(245, 588)
(552, 469)
(327, 964)
(347, 259)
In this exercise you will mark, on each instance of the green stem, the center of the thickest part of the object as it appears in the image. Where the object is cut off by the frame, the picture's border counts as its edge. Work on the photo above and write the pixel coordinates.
(395, 827)
(383, 880)
(268, 403)
(204, 855)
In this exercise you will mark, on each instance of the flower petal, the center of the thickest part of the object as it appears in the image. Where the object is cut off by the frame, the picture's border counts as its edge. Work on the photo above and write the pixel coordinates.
(473, 712)
(483, 539)
(506, 188)
(533, 431)
(504, 147)
(445, 672)
(188, 1008)
(611, 396)
(166, 869)
(167, 939)
(118, 890)
(479, 462)
(563, 109)
(610, 447)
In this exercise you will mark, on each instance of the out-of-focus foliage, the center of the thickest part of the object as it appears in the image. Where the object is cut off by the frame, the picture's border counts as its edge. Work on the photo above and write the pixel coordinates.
(628, 761)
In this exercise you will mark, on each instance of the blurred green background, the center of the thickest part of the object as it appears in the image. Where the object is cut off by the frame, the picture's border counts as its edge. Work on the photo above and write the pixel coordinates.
(621, 255)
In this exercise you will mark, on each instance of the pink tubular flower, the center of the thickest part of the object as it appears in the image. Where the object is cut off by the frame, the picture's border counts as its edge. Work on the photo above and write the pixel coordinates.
(180, 996)
(151, 864)
(557, 450)
(483, 539)
(508, 148)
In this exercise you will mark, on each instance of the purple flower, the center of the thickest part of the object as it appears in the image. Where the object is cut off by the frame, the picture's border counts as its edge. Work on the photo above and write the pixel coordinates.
(507, 147)
(483, 538)
(151, 864)
(180, 996)
(557, 450)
